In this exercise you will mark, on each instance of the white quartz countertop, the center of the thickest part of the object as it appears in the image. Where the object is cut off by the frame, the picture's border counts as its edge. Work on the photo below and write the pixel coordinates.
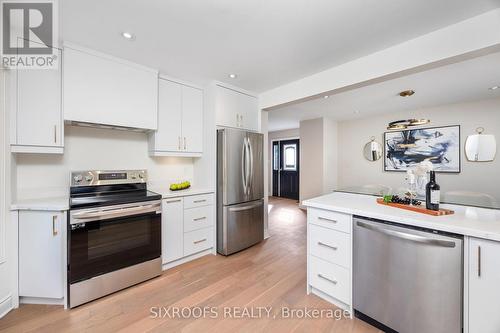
(62, 203)
(166, 193)
(48, 204)
(468, 221)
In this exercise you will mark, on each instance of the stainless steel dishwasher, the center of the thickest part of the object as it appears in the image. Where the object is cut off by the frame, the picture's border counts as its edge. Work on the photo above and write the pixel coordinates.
(407, 279)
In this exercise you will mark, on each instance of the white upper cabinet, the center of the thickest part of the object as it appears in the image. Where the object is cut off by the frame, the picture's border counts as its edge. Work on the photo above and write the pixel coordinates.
(101, 89)
(484, 275)
(36, 122)
(180, 121)
(236, 109)
(192, 119)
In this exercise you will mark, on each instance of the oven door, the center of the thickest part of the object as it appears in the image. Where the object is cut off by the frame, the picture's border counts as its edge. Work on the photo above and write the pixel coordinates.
(107, 239)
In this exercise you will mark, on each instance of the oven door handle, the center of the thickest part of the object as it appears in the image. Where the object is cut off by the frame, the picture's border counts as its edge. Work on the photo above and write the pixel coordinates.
(104, 214)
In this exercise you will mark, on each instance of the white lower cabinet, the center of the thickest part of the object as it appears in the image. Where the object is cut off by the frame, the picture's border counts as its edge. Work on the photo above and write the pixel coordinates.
(187, 226)
(329, 248)
(484, 279)
(172, 230)
(42, 260)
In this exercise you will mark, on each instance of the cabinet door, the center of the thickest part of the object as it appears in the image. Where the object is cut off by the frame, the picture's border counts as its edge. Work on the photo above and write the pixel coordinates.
(172, 221)
(226, 107)
(169, 134)
(38, 111)
(484, 277)
(41, 257)
(105, 90)
(192, 119)
(248, 109)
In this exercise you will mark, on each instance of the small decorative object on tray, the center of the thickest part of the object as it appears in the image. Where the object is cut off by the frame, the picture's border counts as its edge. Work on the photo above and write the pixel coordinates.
(180, 186)
(413, 205)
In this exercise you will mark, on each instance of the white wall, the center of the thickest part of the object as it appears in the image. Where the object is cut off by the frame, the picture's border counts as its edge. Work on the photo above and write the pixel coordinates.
(93, 148)
(272, 136)
(354, 170)
(330, 157)
(311, 159)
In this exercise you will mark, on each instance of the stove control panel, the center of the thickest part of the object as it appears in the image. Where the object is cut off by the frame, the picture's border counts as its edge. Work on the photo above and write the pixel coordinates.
(101, 177)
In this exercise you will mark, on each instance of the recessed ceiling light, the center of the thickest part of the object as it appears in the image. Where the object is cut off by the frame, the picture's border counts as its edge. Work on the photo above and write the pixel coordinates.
(233, 76)
(128, 35)
(326, 96)
(356, 111)
(406, 93)
(494, 87)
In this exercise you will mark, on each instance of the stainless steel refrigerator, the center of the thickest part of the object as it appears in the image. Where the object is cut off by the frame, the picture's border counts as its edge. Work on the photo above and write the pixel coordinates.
(240, 190)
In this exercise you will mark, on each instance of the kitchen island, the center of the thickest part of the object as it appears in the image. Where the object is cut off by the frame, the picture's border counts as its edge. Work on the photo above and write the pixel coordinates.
(330, 250)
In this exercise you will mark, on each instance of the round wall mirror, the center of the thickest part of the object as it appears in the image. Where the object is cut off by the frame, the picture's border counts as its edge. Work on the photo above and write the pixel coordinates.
(372, 150)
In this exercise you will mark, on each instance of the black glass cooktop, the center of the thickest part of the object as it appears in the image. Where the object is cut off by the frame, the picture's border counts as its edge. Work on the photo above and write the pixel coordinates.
(98, 196)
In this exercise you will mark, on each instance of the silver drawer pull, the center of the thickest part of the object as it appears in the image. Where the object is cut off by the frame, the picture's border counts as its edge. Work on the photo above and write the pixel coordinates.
(198, 201)
(200, 218)
(326, 219)
(172, 201)
(327, 279)
(200, 241)
(328, 246)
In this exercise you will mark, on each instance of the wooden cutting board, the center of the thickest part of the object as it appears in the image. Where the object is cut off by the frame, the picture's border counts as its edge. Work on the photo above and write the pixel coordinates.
(417, 209)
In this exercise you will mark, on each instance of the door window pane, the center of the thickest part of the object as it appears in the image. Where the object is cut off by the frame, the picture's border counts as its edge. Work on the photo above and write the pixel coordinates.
(290, 157)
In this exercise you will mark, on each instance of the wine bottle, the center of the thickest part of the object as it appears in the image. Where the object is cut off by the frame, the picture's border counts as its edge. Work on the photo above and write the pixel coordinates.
(432, 193)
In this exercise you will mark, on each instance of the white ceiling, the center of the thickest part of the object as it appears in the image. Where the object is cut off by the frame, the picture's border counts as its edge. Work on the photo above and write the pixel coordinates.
(465, 81)
(266, 42)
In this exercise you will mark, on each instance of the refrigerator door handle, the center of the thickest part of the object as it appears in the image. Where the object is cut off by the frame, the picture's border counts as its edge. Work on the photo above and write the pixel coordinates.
(243, 165)
(250, 169)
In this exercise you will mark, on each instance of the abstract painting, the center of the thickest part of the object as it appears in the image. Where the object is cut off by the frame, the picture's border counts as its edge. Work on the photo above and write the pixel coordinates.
(439, 145)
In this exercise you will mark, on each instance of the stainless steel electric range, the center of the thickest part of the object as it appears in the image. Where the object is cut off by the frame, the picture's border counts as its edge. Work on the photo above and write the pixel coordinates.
(114, 233)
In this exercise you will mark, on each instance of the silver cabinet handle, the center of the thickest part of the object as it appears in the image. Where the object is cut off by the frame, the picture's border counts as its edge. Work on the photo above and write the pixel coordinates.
(327, 219)
(328, 246)
(200, 241)
(185, 143)
(406, 236)
(200, 218)
(198, 201)
(237, 120)
(327, 279)
(172, 201)
(179, 142)
(54, 227)
(55, 133)
(479, 261)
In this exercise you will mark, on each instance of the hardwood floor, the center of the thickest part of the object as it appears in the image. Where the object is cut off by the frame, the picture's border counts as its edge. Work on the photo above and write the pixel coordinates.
(271, 274)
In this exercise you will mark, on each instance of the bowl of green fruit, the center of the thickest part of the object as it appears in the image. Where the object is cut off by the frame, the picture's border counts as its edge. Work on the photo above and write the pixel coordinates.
(180, 186)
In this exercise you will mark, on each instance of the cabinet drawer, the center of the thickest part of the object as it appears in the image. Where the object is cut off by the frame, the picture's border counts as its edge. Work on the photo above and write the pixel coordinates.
(198, 240)
(198, 200)
(330, 245)
(330, 279)
(198, 218)
(331, 220)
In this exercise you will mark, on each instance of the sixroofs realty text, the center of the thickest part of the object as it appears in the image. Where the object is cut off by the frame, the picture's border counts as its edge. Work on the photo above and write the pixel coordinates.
(236, 312)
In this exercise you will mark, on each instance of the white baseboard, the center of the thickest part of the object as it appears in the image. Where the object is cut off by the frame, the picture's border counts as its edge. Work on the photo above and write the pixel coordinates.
(330, 299)
(6, 305)
(187, 259)
(41, 300)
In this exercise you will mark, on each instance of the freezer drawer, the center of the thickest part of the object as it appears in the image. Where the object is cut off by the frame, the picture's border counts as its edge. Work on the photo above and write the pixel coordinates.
(407, 279)
(240, 226)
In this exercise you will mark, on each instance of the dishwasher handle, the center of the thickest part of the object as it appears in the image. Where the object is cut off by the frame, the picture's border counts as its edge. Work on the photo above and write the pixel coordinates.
(407, 236)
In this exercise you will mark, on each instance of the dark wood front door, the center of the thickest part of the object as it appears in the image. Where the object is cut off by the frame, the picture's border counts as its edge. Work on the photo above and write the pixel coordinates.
(286, 169)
